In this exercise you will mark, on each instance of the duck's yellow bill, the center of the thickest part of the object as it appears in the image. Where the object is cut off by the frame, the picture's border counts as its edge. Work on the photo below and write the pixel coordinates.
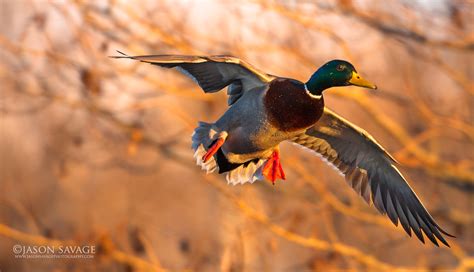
(357, 80)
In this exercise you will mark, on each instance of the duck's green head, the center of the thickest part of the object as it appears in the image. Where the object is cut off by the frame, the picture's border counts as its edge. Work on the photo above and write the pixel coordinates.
(336, 73)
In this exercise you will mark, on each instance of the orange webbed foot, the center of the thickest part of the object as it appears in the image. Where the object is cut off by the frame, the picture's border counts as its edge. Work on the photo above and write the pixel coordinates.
(272, 170)
(213, 148)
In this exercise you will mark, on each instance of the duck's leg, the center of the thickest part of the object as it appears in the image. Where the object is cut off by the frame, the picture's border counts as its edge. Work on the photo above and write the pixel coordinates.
(215, 146)
(272, 169)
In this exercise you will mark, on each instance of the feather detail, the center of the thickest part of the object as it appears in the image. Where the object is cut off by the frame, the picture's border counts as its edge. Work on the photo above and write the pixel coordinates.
(371, 172)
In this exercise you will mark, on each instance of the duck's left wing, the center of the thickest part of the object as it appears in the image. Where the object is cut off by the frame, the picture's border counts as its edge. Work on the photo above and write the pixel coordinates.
(371, 171)
(212, 73)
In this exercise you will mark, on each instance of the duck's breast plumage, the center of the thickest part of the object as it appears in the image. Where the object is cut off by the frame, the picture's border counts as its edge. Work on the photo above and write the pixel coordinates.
(264, 117)
(289, 107)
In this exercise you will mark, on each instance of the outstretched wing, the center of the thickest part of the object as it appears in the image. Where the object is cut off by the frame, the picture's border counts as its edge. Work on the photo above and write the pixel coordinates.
(212, 73)
(370, 170)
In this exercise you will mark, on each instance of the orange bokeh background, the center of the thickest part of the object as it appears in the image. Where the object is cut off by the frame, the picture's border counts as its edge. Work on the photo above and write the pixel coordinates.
(97, 151)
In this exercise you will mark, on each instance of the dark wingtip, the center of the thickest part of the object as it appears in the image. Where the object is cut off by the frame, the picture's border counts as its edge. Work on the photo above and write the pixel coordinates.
(433, 239)
(121, 53)
(447, 234)
(419, 235)
(441, 238)
(444, 232)
(120, 57)
(445, 243)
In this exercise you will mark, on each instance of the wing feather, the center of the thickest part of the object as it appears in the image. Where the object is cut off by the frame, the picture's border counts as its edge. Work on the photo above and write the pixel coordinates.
(371, 171)
(212, 73)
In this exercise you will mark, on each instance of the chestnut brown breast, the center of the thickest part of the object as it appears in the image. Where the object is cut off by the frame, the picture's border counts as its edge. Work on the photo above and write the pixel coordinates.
(289, 107)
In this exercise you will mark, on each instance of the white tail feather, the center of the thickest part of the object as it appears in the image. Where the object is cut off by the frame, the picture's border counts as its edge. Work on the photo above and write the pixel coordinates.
(249, 173)
(202, 137)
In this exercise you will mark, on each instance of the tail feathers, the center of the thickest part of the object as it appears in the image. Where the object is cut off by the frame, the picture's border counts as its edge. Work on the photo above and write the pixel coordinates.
(202, 138)
(246, 173)
(210, 166)
(203, 134)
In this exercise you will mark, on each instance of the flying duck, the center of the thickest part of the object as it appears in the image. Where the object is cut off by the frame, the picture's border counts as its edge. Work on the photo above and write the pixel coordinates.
(265, 110)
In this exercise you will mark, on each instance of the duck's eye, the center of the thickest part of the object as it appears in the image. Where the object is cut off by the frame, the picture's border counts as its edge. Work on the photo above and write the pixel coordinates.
(340, 67)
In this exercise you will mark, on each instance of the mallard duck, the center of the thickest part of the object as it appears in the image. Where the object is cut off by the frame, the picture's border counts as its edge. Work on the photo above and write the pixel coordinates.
(265, 110)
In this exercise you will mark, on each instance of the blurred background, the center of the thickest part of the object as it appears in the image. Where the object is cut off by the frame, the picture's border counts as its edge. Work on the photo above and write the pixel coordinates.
(96, 151)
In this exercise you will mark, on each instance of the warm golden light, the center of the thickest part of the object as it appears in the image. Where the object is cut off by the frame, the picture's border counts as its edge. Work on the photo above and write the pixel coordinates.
(96, 151)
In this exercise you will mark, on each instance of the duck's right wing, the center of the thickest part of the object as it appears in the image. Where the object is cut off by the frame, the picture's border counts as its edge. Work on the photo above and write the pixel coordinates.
(212, 73)
(371, 171)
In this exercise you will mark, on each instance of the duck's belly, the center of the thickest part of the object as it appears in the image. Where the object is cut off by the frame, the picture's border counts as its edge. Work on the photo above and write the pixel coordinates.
(245, 143)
